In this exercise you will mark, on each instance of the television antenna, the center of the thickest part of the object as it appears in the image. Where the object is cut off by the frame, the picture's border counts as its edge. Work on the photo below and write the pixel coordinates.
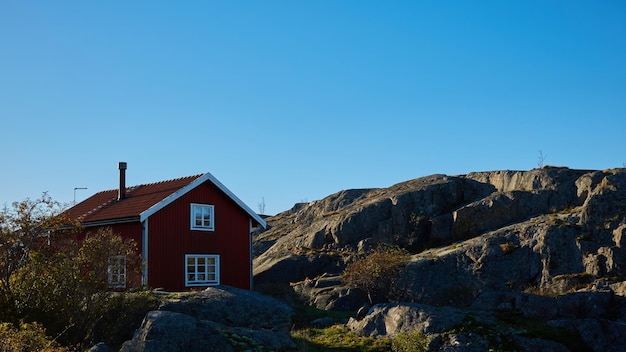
(76, 189)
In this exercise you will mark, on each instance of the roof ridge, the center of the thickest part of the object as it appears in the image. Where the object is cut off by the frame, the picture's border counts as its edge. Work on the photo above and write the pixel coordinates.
(130, 188)
(170, 180)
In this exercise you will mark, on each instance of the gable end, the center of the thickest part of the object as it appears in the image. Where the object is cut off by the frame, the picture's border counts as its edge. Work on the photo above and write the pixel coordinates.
(200, 180)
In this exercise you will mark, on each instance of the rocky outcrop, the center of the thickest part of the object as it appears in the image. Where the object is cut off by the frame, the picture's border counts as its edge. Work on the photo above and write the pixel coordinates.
(433, 210)
(502, 241)
(532, 254)
(216, 319)
(329, 293)
(449, 329)
(499, 321)
(550, 229)
(400, 215)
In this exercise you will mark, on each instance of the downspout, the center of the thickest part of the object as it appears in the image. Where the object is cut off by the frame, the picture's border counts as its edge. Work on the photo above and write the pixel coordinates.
(251, 269)
(144, 253)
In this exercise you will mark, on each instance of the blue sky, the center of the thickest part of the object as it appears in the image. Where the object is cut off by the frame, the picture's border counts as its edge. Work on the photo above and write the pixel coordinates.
(290, 101)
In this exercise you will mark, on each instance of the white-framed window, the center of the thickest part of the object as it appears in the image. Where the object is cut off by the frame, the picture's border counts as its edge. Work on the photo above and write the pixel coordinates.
(202, 217)
(117, 271)
(202, 269)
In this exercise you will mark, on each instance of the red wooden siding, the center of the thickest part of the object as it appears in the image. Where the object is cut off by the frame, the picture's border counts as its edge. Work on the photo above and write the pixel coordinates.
(130, 230)
(127, 230)
(170, 238)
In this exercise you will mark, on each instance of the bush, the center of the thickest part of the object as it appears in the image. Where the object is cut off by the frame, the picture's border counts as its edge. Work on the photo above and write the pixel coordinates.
(48, 278)
(508, 247)
(94, 254)
(26, 337)
(47, 290)
(410, 342)
(67, 290)
(376, 272)
(25, 227)
(120, 316)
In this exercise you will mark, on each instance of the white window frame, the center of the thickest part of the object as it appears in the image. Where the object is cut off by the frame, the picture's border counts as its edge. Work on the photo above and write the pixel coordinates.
(198, 269)
(116, 271)
(205, 209)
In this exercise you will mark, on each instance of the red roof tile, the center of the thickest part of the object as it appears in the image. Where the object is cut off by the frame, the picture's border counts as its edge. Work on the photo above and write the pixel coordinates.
(105, 206)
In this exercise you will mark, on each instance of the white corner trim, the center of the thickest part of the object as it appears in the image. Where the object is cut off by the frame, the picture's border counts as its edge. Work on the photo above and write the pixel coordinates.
(195, 183)
(144, 252)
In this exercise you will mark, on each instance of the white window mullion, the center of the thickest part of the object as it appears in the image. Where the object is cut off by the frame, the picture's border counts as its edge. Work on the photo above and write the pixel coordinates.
(116, 271)
(202, 217)
(201, 269)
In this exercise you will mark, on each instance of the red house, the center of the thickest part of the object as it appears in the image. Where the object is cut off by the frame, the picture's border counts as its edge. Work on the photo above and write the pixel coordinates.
(192, 231)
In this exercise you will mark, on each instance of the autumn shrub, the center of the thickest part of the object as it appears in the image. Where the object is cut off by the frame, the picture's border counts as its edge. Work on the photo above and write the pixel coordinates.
(376, 272)
(52, 284)
(26, 337)
(93, 259)
(67, 290)
(508, 247)
(25, 227)
(48, 290)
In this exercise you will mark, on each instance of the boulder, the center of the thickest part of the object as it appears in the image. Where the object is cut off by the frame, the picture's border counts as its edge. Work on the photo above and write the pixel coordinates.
(217, 319)
(329, 293)
(163, 331)
(100, 347)
(392, 318)
(233, 307)
(480, 328)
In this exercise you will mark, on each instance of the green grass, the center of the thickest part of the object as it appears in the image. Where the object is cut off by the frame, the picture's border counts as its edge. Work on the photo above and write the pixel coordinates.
(337, 338)
(414, 341)
(333, 338)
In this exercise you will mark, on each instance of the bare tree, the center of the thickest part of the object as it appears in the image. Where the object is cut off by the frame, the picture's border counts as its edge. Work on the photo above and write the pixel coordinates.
(541, 159)
(261, 206)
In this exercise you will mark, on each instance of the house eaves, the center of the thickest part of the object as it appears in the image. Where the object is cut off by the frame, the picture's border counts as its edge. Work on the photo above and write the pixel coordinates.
(110, 222)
